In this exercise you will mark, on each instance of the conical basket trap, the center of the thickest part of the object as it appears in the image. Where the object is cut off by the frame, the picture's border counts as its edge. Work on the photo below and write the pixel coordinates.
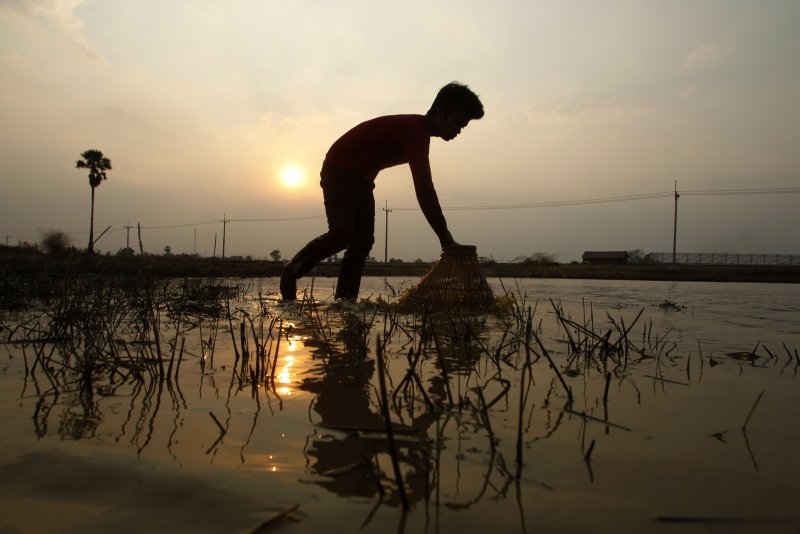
(456, 281)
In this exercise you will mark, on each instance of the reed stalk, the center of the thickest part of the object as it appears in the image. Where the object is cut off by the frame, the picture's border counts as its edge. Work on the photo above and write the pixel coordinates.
(384, 402)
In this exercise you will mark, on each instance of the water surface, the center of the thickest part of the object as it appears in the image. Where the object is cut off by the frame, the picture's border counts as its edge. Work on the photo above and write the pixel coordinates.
(652, 440)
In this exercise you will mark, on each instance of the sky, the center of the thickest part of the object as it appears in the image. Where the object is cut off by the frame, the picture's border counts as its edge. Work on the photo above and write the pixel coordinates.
(206, 109)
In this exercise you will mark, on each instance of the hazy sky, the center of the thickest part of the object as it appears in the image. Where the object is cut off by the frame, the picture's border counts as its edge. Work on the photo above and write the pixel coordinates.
(201, 105)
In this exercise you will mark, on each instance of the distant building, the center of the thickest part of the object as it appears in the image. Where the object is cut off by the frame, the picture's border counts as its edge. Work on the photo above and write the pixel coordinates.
(617, 257)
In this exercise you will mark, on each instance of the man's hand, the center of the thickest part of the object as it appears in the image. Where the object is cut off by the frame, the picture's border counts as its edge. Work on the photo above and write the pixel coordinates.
(458, 247)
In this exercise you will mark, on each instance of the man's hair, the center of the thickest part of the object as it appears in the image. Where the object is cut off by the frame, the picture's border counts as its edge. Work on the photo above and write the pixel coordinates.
(457, 98)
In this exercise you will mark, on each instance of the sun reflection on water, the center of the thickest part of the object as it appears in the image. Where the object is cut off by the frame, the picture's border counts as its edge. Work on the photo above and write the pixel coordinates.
(287, 373)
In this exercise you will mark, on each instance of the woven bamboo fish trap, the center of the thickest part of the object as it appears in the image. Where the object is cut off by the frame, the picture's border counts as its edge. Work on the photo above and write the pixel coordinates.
(456, 281)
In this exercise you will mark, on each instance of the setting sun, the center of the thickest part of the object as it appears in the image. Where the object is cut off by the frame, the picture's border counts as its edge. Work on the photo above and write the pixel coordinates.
(292, 177)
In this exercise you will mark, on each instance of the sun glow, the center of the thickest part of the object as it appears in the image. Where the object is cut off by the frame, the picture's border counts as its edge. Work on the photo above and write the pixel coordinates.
(292, 177)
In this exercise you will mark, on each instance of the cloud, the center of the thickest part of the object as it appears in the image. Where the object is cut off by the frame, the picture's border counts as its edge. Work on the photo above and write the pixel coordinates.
(702, 55)
(57, 15)
(14, 5)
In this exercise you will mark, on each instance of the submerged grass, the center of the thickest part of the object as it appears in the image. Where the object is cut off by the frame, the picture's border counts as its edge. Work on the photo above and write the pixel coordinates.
(439, 372)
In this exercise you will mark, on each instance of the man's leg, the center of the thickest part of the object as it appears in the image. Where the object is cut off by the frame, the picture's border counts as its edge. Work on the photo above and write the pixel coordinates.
(363, 237)
(339, 201)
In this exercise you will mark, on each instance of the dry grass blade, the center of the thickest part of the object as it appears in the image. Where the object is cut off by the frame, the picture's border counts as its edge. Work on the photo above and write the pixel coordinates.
(753, 409)
(219, 425)
(401, 490)
(272, 521)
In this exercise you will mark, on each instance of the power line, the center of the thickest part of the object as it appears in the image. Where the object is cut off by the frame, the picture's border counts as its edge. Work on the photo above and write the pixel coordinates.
(725, 192)
(184, 225)
(603, 200)
(280, 219)
(125, 227)
(483, 207)
(619, 198)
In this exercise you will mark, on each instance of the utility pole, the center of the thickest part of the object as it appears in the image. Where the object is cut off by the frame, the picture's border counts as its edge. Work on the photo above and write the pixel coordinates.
(675, 224)
(128, 234)
(224, 222)
(7, 236)
(194, 248)
(386, 237)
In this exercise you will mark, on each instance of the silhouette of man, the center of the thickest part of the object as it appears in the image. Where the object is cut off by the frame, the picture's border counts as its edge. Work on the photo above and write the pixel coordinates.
(348, 179)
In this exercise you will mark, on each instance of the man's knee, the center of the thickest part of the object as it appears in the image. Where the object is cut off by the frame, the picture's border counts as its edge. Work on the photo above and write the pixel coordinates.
(338, 239)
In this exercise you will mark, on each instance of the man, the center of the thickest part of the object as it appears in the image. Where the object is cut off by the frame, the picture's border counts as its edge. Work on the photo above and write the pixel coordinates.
(348, 179)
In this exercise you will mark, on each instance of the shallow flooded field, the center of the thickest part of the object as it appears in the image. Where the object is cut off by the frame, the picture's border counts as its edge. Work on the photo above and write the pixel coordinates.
(574, 406)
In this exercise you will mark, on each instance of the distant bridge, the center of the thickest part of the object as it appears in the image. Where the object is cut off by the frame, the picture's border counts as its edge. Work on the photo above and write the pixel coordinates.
(718, 258)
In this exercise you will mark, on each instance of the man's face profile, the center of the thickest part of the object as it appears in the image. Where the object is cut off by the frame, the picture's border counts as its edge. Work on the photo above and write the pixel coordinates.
(451, 124)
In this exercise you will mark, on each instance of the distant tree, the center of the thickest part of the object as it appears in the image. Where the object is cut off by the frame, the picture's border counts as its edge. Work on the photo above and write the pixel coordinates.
(275, 255)
(97, 165)
(55, 242)
(167, 250)
(127, 251)
(537, 258)
(395, 260)
(635, 256)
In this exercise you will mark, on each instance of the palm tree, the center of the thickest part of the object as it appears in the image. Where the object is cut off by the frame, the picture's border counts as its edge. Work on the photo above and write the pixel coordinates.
(97, 165)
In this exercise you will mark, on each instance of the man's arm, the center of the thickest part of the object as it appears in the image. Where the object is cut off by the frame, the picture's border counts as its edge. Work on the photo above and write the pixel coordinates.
(428, 200)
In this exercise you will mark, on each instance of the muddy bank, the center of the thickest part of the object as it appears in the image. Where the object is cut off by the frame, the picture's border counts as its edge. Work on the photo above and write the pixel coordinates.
(688, 273)
(21, 262)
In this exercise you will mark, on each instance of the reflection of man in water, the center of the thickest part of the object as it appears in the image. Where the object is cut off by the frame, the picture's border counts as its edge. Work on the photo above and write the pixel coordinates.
(348, 462)
(348, 178)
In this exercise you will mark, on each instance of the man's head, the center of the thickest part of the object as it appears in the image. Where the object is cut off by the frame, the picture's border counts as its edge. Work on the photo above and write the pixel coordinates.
(452, 109)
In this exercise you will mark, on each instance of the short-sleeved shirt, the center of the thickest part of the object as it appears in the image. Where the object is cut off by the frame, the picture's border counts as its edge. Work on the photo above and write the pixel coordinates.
(383, 142)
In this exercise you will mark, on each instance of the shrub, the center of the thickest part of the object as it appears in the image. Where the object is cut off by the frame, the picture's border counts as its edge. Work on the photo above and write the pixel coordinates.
(537, 258)
(56, 242)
